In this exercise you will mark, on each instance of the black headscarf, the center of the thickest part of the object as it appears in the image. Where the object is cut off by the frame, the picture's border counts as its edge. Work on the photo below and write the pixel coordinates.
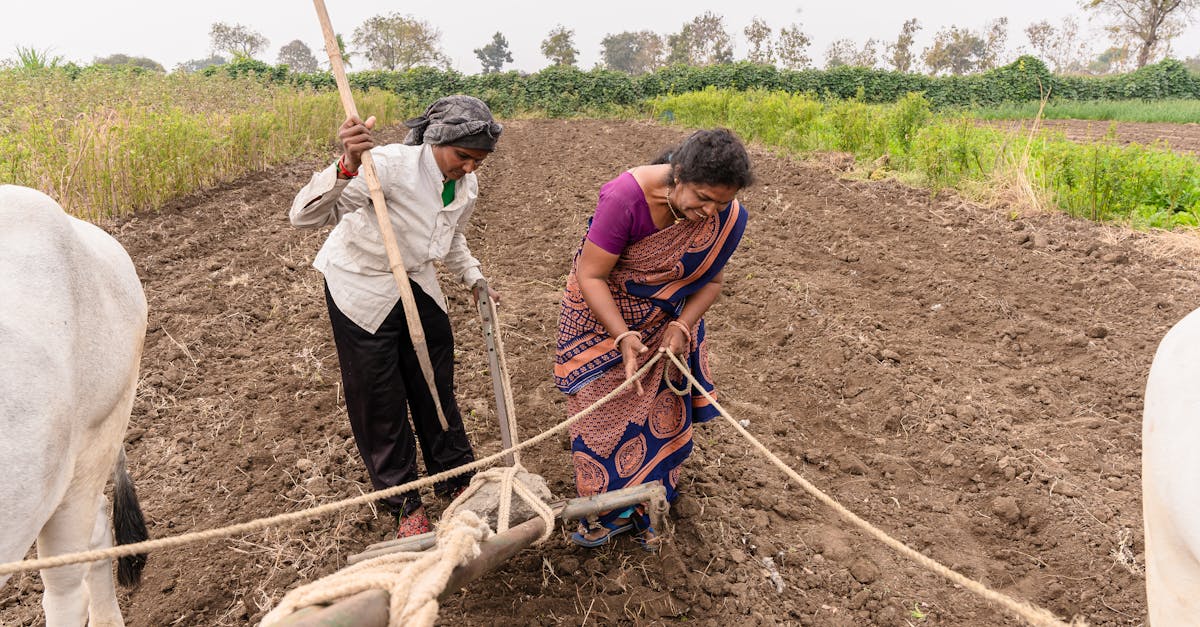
(458, 120)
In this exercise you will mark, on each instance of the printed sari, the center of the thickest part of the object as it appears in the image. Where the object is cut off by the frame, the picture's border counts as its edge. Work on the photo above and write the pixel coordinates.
(634, 439)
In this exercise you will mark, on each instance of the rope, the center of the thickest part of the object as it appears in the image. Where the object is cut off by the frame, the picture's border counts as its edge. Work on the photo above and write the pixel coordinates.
(671, 384)
(507, 478)
(313, 512)
(413, 580)
(1026, 611)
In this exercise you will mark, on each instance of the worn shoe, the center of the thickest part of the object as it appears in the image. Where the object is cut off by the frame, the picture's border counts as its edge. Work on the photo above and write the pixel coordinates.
(611, 530)
(413, 524)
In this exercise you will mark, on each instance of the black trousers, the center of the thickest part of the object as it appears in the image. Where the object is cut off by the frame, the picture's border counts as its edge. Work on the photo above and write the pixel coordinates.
(383, 382)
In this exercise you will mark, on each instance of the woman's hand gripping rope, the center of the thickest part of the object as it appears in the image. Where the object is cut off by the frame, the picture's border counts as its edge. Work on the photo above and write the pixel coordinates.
(631, 347)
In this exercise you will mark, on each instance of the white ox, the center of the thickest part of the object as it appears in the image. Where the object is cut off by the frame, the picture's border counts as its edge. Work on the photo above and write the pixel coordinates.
(1171, 477)
(72, 322)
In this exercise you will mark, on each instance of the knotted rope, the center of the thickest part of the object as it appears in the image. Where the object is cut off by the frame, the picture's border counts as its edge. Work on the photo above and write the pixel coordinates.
(413, 580)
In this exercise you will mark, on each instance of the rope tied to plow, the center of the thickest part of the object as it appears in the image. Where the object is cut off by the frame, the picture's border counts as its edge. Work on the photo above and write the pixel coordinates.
(413, 580)
(510, 482)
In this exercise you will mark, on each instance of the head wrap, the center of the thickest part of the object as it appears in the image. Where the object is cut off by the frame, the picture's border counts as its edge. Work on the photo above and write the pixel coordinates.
(458, 120)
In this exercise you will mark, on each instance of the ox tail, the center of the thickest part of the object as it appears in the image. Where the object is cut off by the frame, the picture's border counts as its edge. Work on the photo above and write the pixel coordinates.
(129, 525)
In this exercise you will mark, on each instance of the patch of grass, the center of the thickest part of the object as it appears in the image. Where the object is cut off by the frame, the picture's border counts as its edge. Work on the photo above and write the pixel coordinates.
(1173, 111)
(1144, 186)
(112, 142)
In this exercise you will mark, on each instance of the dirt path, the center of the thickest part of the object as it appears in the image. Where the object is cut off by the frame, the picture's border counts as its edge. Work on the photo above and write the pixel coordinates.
(971, 384)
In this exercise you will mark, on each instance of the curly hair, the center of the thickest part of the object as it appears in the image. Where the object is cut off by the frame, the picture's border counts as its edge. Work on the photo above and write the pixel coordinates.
(710, 157)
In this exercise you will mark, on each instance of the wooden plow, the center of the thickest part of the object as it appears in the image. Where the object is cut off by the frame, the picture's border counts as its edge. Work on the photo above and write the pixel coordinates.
(370, 608)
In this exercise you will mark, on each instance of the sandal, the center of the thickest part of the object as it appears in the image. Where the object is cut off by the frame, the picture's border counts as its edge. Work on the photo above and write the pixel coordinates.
(612, 529)
(413, 524)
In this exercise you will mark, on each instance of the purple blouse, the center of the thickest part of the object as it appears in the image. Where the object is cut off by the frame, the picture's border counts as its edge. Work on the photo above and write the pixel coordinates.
(622, 215)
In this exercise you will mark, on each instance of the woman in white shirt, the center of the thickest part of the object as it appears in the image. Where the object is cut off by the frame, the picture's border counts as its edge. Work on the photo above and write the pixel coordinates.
(430, 188)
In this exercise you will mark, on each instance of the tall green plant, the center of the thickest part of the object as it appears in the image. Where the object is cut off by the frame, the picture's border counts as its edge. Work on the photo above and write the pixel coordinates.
(1145, 186)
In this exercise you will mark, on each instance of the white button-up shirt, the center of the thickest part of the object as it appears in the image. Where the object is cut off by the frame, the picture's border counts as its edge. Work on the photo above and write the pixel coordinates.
(353, 258)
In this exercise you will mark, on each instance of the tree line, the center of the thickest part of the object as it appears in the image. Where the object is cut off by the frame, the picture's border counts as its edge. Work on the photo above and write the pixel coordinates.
(1140, 31)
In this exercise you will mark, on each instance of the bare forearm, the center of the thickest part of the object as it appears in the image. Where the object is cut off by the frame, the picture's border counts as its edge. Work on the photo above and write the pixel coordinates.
(697, 304)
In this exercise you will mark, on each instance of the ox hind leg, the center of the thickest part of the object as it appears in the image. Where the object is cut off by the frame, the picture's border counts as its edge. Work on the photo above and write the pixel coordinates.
(71, 529)
(79, 524)
(103, 609)
(80, 593)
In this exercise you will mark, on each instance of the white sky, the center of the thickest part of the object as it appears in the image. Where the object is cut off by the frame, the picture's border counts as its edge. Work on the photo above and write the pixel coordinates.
(171, 32)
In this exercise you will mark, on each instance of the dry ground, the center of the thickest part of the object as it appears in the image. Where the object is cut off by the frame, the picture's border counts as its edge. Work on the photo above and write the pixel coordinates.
(969, 382)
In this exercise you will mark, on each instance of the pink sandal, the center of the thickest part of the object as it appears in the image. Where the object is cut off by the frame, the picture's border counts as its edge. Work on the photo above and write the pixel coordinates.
(413, 524)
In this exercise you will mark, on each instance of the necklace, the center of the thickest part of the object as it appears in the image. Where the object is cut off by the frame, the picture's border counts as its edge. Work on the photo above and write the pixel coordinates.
(679, 217)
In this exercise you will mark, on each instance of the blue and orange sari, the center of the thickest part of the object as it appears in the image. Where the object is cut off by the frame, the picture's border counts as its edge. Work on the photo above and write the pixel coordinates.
(634, 439)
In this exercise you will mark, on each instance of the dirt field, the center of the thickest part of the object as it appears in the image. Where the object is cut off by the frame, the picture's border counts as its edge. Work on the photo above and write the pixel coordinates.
(971, 384)
(1178, 137)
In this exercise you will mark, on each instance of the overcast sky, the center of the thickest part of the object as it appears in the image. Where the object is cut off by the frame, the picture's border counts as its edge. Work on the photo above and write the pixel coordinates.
(172, 32)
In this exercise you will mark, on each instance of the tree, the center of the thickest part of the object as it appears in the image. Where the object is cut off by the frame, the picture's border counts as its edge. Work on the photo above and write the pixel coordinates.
(124, 59)
(846, 52)
(1115, 59)
(1192, 63)
(195, 65)
(298, 57)
(994, 42)
(633, 52)
(702, 41)
(559, 46)
(398, 42)
(758, 34)
(792, 47)
(900, 54)
(342, 52)
(237, 40)
(956, 50)
(1060, 46)
(1146, 25)
(494, 55)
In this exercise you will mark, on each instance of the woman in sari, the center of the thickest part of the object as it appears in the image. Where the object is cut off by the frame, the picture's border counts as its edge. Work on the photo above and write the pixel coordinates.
(647, 271)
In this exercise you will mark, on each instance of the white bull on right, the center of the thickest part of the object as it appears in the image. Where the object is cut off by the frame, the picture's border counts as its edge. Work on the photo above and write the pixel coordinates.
(1171, 477)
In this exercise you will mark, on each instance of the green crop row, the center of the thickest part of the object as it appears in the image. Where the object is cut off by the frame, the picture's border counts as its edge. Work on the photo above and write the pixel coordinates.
(1146, 186)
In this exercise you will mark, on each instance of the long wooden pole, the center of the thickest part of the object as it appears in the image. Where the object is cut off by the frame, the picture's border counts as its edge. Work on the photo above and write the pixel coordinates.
(395, 259)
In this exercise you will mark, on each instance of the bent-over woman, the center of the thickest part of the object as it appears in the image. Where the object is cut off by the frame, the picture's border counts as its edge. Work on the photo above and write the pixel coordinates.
(647, 271)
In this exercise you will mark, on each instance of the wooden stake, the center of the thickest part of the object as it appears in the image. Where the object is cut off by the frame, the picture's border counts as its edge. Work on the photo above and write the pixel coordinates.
(395, 259)
(505, 408)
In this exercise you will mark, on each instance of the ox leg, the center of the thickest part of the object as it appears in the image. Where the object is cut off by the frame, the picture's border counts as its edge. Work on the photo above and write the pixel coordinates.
(65, 599)
(103, 609)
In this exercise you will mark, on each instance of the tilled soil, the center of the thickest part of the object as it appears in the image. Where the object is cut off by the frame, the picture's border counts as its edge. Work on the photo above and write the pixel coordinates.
(1177, 137)
(969, 382)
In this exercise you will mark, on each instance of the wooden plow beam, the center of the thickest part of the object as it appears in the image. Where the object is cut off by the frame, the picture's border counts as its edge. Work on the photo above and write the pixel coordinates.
(370, 608)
